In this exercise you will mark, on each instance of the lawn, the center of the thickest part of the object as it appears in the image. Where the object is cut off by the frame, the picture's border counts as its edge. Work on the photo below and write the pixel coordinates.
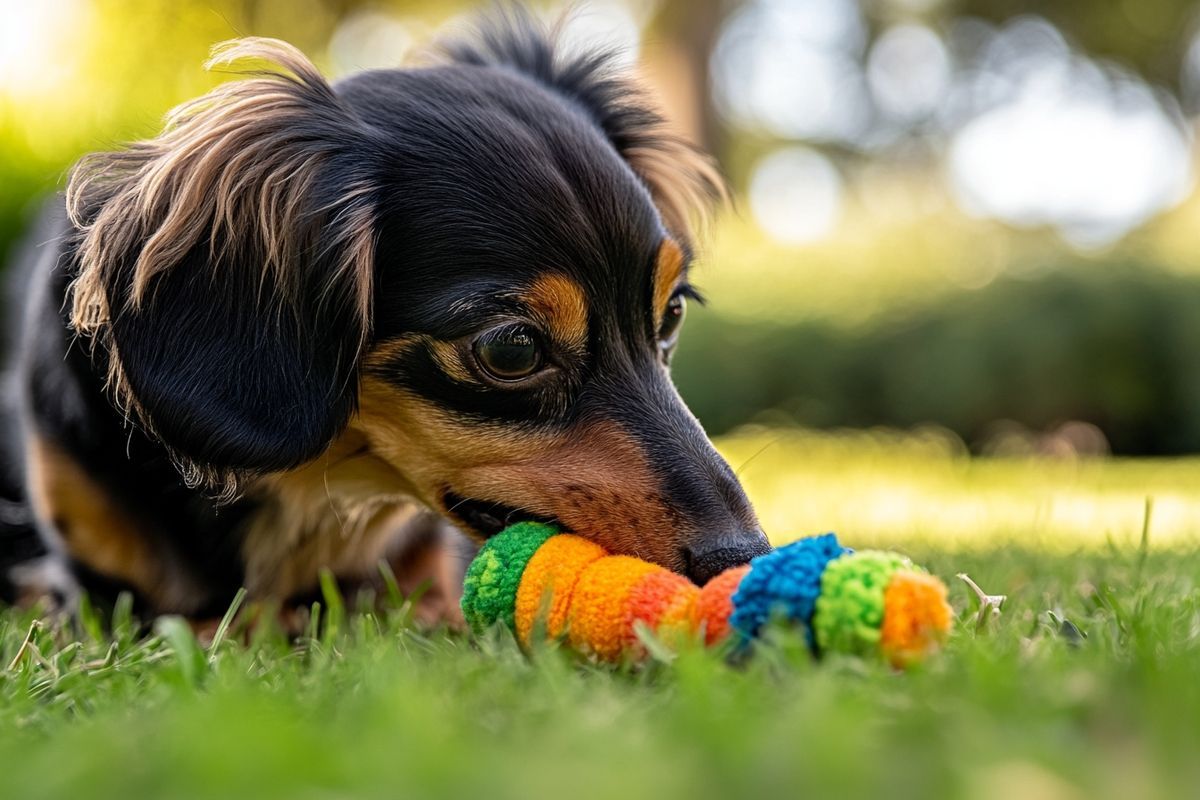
(1085, 687)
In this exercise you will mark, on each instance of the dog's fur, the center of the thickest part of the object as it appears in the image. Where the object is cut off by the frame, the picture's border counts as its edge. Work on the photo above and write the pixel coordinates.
(251, 346)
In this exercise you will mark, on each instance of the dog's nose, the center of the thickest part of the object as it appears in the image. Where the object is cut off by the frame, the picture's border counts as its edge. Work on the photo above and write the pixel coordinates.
(729, 551)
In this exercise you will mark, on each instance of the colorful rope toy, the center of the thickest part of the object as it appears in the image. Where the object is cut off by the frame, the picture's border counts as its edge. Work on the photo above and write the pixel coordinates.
(531, 578)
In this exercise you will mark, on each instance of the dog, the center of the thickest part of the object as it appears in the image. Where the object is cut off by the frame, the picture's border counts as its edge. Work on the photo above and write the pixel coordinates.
(317, 327)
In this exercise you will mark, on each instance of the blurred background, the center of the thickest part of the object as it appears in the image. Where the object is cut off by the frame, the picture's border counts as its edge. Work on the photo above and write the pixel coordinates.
(971, 219)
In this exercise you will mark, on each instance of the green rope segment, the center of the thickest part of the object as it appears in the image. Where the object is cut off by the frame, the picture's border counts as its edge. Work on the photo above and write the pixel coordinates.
(490, 587)
(849, 611)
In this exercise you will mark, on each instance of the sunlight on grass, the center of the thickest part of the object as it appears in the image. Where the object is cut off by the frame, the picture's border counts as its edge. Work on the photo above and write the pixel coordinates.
(891, 488)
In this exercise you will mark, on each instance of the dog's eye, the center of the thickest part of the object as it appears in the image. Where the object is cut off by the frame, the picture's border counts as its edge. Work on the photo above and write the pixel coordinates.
(509, 353)
(668, 331)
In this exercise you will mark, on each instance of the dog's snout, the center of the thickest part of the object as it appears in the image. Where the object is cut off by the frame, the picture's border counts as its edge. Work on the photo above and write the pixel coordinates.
(704, 564)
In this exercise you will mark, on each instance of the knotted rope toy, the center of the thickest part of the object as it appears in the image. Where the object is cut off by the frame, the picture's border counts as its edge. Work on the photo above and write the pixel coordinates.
(531, 578)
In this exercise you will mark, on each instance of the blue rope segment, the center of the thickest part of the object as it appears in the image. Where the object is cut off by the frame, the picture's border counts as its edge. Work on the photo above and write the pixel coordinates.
(787, 582)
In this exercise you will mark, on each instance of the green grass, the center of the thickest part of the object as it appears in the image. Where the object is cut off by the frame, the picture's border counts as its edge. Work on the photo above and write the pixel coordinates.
(370, 707)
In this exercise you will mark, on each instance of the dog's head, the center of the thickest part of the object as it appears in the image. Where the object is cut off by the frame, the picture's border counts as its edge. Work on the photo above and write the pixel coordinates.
(478, 269)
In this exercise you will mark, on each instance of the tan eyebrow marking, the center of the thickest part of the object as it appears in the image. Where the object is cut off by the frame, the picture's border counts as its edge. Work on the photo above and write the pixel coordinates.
(445, 354)
(559, 303)
(390, 349)
(668, 269)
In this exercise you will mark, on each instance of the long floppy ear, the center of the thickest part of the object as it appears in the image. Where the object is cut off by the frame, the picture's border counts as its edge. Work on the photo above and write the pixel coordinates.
(683, 181)
(224, 268)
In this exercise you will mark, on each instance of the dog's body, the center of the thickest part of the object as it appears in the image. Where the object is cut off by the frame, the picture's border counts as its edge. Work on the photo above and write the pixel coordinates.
(308, 324)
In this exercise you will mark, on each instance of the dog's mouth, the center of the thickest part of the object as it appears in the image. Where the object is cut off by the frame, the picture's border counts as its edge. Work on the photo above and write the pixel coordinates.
(488, 517)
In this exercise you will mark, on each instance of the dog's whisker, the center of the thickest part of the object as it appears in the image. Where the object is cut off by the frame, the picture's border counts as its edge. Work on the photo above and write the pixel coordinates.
(738, 472)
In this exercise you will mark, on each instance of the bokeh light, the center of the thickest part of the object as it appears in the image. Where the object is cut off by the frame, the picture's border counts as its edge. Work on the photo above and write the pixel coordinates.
(1067, 142)
(796, 195)
(792, 68)
(29, 32)
(908, 71)
(370, 40)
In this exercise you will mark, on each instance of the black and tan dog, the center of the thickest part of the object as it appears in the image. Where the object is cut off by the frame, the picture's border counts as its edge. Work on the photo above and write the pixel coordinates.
(276, 337)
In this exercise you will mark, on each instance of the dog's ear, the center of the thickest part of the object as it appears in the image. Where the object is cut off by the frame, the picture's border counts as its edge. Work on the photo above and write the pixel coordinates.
(224, 268)
(683, 181)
